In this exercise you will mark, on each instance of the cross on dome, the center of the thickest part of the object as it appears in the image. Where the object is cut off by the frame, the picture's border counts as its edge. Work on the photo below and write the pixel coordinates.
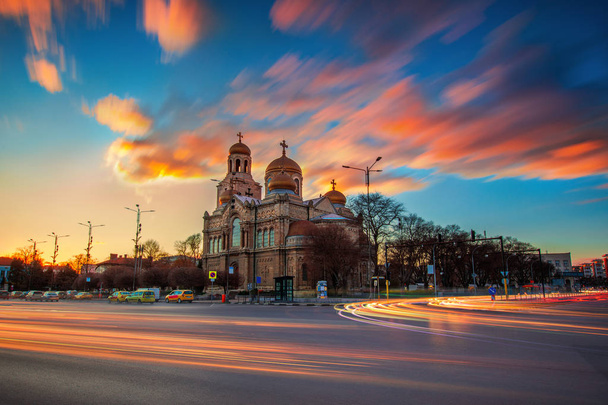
(333, 184)
(284, 145)
(240, 136)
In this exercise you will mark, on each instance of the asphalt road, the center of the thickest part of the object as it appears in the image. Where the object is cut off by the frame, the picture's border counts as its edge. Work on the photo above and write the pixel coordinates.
(93, 352)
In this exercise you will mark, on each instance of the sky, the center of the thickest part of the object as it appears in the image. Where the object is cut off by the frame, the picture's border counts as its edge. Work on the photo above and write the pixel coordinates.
(492, 115)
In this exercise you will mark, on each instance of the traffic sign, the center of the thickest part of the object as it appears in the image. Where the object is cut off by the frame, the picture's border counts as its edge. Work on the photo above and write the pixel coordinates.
(230, 270)
(213, 275)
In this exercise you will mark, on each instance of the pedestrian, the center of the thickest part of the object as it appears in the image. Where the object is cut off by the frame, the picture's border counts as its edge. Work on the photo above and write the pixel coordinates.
(492, 292)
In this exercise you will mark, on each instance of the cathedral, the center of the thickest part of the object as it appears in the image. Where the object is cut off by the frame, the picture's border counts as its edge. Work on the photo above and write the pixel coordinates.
(259, 238)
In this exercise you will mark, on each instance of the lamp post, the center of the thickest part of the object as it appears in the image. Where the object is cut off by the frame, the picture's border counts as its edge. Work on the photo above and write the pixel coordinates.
(137, 237)
(473, 267)
(34, 254)
(89, 243)
(54, 235)
(367, 171)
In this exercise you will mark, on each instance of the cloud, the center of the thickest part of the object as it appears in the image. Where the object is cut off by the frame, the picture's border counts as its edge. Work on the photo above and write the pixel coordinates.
(44, 72)
(381, 27)
(182, 155)
(178, 24)
(120, 115)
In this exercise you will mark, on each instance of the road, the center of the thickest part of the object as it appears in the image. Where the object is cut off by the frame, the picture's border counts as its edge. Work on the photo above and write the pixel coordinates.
(94, 352)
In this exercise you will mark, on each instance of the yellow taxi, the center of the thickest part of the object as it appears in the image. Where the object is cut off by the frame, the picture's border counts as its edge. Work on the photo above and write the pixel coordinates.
(83, 296)
(141, 296)
(118, 297)
(180, 296)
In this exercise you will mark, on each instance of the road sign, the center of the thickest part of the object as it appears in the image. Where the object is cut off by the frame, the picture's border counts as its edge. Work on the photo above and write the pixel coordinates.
(430, 269)
(213, 275)
(258, 279)
(88, 279)
(230, 270)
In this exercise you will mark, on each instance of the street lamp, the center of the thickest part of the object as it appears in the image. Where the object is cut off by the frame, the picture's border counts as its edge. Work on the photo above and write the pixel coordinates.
(35, 253)
(367, 170)
(89, 243)
(54, 235)
(137, 237)
(473, 267)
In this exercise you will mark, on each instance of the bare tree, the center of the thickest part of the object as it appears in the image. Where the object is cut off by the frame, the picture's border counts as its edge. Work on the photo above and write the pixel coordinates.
(336, 253)
(152, 250)
(379, 215)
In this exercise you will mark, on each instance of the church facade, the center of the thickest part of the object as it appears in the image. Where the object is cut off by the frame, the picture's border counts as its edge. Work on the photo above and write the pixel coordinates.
(266, 236)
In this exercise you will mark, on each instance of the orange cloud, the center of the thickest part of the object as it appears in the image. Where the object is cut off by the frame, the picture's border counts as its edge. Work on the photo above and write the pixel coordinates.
(178, 24)
(183, 155)
(44, 72)
(302, 14)
(120, 115)
(38, 14)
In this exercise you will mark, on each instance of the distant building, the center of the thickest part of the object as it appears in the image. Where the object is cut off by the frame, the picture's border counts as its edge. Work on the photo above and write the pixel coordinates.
(115, 260)
(599, 270)
(561, 261)
(5, 268)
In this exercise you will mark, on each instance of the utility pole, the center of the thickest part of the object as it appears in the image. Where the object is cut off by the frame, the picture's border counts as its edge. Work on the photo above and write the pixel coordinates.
(54, 235)
(34, 254)
(89, 242)
(367, 170)
(137, 237)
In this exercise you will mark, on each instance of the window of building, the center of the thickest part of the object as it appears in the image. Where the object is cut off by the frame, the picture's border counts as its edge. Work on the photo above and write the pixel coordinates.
(238, 165)
(304, 272)
(219, 244)
(236, 232)
(565, 263)
(271, 237)
(230, 165)
(259, 239)
(245, 166)
(297, 186)
(265, 237)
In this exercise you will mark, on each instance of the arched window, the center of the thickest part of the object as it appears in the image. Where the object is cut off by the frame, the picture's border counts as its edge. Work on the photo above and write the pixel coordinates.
(304, 272)
(230, 165)
(297, 186)
(214, 245)
(210, 245)
(236, 232)
(238, 165)
(271, 238)
(245, 166)
(265, 237)
(219, 243)
(260, 240)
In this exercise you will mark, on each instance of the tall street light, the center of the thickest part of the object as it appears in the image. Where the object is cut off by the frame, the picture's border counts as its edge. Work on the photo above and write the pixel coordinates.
(89, 242)
(54, 235)
(367, 170)
(35, 253)
(137, 237)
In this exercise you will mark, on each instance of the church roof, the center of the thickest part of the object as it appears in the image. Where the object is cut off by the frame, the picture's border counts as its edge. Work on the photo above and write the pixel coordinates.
(245, 199)
(331, 217)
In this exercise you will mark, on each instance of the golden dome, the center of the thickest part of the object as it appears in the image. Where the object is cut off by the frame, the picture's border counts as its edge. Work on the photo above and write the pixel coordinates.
(284, 163)
(226, 196)
(282, 181)
(336, 197)
(241, 148)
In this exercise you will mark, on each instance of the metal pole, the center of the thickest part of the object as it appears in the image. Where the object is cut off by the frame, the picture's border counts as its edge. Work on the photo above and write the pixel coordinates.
(542, 273)
(136, 240)
(434, 270)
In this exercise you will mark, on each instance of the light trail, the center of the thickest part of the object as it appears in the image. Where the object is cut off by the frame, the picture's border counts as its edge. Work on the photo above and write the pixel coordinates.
(457, 313)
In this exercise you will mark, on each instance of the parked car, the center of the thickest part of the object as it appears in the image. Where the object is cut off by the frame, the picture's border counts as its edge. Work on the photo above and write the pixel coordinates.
(141, 297)
(4, 295)
(179, 296)
(71, 294)
(50, 296)
(62, 295)
(118, 297)
(34, 296)
(18, 295)
(83, 296)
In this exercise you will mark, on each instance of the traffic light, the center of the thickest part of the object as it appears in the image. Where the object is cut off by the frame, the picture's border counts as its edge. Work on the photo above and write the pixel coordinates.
(439, 238)
(388, 275)
(472, 235)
